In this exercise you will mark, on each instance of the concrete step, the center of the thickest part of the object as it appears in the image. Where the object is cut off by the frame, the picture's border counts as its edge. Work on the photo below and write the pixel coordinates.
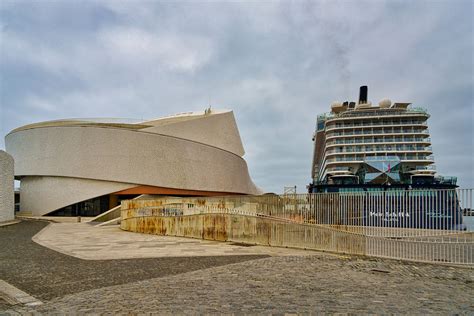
(112, 214)
(23, 213)
(114, 221)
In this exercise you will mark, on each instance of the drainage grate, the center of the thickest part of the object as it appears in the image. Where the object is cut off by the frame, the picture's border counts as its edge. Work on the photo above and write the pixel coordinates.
(241, 244)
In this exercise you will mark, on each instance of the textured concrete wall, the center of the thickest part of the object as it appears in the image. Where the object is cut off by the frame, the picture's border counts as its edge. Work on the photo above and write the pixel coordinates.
(7, 195)
(128, 157)
(218, 129)
(62, 163)
(42, 195)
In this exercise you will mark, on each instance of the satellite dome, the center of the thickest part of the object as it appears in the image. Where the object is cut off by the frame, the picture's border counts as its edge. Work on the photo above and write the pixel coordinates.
(385, 103)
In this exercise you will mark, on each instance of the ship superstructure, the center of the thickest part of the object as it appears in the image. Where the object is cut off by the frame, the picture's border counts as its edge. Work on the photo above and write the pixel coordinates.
(359, 145)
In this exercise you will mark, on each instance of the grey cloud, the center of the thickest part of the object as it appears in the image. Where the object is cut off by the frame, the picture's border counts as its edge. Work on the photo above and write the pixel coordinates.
(277, 65)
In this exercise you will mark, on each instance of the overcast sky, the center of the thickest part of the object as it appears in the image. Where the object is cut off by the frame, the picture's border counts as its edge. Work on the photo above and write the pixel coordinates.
(276, 64)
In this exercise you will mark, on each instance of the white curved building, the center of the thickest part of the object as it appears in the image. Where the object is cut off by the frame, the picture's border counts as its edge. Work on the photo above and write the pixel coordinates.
(85, 167)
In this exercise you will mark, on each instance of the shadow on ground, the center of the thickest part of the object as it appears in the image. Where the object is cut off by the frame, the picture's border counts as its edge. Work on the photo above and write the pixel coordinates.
(46, 274)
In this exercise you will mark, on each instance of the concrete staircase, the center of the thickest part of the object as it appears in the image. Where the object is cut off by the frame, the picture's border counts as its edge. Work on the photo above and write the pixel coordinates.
(113, 214)
(24, 214)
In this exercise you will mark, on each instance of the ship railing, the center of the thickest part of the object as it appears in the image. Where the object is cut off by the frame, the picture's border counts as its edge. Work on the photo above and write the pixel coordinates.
(375, 124)
(389, 148)
(371, 113)
(386, 140)
(429, 168)
(381, 132)
(446, 180)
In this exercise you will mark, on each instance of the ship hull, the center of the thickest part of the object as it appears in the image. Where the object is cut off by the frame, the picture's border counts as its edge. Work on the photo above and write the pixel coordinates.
(395, 206)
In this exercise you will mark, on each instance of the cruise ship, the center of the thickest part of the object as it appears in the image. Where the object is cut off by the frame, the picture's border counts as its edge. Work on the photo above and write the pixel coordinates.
(383, 154)
(360, 146)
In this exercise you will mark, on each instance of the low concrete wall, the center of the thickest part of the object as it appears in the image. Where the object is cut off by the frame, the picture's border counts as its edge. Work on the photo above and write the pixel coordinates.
(248, 229)
(271, 221)
(7, 195)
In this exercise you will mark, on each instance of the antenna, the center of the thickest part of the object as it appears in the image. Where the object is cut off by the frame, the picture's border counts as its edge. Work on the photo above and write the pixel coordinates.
(208, 110)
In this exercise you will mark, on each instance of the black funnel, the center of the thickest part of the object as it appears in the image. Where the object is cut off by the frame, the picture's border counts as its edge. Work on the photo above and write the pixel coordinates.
(363, 94)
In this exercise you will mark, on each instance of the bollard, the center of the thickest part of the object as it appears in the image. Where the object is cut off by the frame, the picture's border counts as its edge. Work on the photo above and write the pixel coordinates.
(78, 219)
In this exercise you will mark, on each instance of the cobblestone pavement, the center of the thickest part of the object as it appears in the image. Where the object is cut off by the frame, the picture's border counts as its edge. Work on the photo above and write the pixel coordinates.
(292, 284)
(45, 274)
(4, 305)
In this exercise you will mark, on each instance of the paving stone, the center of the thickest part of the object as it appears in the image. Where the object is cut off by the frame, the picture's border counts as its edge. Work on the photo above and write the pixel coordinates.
(45, 274)
(84, 241)
(297, 285)
(320, 283)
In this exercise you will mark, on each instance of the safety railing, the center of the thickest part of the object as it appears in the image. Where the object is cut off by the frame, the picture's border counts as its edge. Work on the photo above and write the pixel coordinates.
(375, 124)
(379, 132)
(420, 225)
(365, 140)
(389, 148)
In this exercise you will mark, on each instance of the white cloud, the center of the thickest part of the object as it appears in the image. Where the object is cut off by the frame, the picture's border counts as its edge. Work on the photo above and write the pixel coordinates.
(40, 104)
(136, 47)
(18, 50)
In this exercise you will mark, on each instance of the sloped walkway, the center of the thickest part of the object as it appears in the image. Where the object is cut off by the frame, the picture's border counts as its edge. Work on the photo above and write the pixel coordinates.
(88, 242)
